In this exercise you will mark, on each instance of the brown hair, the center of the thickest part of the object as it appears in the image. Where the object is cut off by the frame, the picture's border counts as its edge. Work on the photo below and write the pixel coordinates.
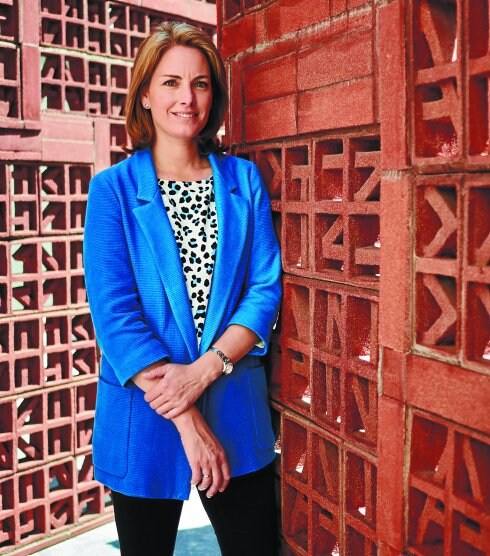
(139, 122)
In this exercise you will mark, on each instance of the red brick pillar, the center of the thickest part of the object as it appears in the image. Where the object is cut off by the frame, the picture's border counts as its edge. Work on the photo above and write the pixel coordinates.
(370, 124)
(435, 296)
(64, 73)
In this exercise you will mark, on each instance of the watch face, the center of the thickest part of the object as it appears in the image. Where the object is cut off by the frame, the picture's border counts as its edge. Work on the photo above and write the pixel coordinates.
(228, 368)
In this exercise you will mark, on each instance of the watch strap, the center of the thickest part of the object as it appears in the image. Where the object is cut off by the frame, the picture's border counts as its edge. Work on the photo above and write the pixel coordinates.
(225, 360)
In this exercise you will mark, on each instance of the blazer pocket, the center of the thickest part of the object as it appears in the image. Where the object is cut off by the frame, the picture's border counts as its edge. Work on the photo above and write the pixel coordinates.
(259, 399)
(111, 428)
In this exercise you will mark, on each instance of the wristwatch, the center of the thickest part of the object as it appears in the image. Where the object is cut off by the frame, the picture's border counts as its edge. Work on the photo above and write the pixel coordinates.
(227, 363)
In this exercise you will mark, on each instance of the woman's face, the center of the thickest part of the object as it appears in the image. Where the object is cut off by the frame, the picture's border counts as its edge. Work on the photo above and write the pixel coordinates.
(179, 94)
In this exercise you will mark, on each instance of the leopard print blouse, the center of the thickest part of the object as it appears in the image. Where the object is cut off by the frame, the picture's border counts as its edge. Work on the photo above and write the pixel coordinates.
(191, 210)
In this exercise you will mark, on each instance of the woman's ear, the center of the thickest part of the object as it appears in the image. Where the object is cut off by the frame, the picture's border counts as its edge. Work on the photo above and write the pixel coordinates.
(145, 100)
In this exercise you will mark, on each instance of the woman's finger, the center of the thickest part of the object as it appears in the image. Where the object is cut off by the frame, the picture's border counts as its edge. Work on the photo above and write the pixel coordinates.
(196, 474)
(166, 409)
(225, 471)
(157, 372)
(154, 392)
(175, 410)
(161, 404)
(206, 480)
(217, 481)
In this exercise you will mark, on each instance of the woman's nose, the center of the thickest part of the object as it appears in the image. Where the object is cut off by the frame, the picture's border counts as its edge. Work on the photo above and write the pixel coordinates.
(186, 94)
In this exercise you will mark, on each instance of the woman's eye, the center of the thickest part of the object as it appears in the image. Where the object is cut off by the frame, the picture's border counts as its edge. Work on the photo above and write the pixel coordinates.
(170, 83)
(201, 84)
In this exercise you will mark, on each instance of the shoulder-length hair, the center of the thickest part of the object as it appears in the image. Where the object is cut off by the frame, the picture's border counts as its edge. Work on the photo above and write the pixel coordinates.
(139, 122)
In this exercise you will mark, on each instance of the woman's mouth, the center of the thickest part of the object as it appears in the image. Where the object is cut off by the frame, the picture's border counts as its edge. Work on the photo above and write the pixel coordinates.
(185, 115)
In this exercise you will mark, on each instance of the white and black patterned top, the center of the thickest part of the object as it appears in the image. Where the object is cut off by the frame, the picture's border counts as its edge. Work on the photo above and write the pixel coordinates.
(191, 209)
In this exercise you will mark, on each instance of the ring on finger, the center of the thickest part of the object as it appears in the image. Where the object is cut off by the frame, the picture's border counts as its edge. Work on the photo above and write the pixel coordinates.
(205, 476)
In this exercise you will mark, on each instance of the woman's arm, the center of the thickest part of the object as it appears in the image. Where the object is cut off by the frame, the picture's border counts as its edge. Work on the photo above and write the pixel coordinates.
(206, 457)
(180, 385)
(258, 306)
(210, 469)
(123, 335)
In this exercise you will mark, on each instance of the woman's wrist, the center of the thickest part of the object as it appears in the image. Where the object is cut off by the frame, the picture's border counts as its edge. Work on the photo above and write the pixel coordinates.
(209, 367)
(186, 419)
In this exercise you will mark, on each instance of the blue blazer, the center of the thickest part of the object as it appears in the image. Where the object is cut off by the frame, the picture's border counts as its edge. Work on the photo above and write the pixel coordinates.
(141, 313)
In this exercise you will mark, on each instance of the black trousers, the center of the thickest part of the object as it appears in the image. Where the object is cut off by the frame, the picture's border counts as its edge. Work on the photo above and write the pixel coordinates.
(243, 517)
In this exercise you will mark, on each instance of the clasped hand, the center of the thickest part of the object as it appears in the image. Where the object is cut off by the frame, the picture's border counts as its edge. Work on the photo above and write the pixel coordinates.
(174, 391)
(178, 388)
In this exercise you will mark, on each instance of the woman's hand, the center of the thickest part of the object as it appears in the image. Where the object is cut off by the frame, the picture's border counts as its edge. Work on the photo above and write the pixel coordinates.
(205, 454)
(171, 388)
(179, 386)
(144, 379)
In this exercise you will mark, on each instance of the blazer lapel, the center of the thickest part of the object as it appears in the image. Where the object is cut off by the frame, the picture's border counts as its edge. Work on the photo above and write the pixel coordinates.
(231, 210)
(153, 219)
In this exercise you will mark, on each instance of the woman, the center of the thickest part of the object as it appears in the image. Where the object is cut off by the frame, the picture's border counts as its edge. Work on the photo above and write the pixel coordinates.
(182, 271)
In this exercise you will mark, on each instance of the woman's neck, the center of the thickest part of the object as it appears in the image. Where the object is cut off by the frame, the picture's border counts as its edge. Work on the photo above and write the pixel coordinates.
(180, 161)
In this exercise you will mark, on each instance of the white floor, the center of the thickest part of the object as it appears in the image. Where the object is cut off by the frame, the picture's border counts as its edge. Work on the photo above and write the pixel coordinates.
(195, 537)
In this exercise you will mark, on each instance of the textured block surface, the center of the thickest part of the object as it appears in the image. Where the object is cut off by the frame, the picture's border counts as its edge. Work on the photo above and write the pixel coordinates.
(369, 122)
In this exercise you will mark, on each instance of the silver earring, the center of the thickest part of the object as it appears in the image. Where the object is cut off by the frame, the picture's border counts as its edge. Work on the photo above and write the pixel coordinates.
(147, 106)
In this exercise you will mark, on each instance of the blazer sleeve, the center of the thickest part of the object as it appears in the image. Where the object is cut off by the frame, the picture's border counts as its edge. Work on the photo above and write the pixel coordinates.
(125, 339)
(259, 304)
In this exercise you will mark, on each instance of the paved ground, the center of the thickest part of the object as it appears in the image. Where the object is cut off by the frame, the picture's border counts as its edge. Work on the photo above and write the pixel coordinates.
(195, 537)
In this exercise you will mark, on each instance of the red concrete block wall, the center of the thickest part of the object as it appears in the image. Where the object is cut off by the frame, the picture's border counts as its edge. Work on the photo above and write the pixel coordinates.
(64, 73)
(370, 123)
